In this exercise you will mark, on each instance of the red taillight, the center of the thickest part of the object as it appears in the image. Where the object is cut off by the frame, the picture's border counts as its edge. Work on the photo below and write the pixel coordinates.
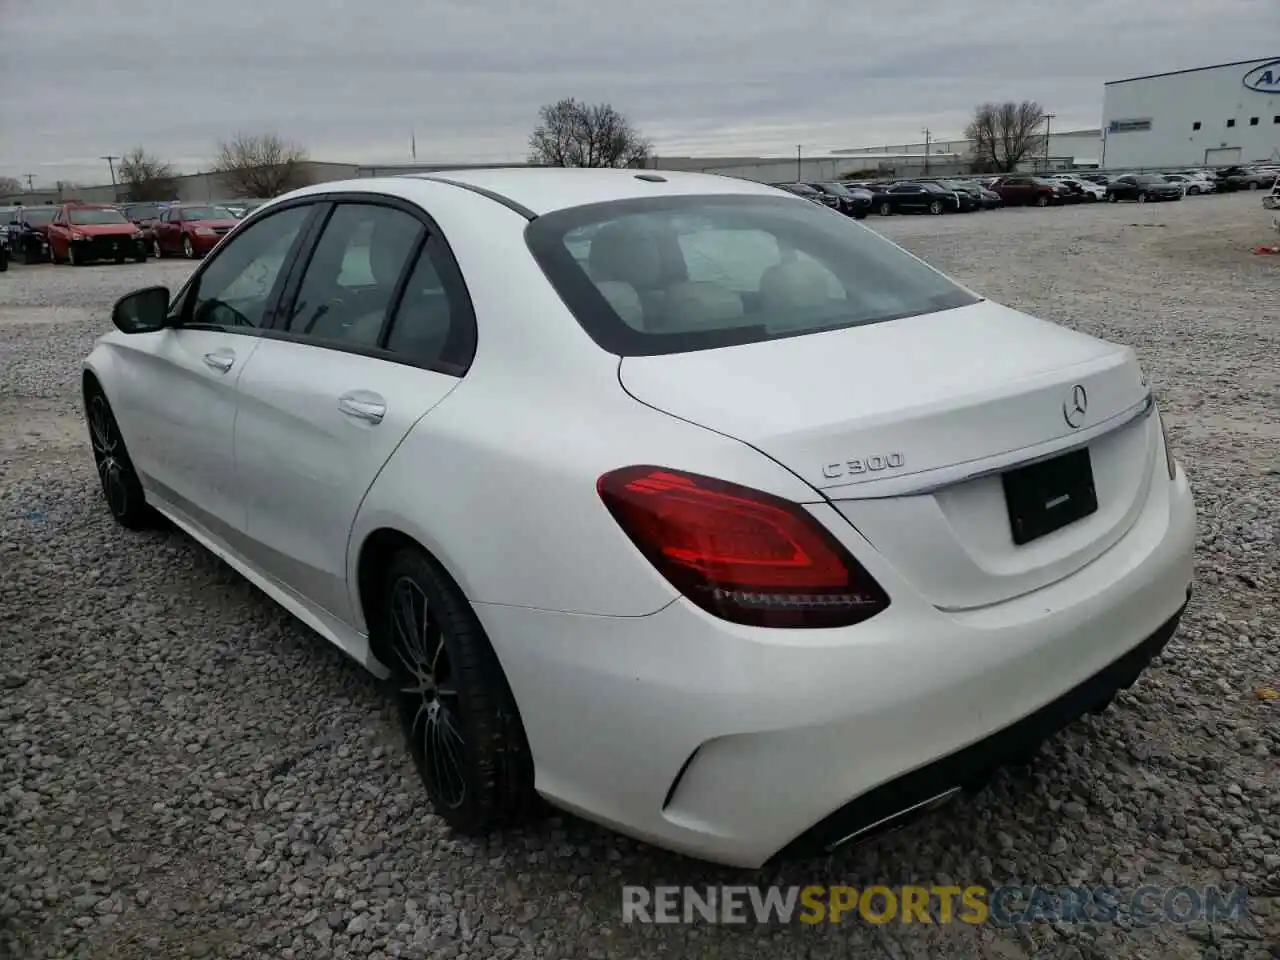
(743, 555)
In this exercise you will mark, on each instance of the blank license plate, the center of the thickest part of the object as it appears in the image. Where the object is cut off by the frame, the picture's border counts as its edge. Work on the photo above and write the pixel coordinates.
(1046, 496)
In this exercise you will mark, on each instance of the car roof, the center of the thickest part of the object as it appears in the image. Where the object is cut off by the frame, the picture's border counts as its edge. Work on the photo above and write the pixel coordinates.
(545, 189)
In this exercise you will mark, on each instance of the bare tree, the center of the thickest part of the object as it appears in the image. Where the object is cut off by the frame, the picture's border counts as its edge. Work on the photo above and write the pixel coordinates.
(1004, 134)
(145, 176)
(260, 165)
(575, 134)
(10, 186)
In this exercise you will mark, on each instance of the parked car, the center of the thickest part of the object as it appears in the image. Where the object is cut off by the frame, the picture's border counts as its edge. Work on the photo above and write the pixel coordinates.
(144, 217)
(1193, 184)
(826, 538)
(1143, 187)
(913, 197)
(28, 231)
(881, 200)
(853, 201)
(248, 206)
(190, 229)
(83, 232)
(809, 193)
(1019, 190)
(1246, 178)
(969, 194)
(1086, 189)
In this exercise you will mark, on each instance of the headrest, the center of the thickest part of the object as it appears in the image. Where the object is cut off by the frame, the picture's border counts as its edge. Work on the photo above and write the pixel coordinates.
(628, 252)
(624, 300)
(699, 305)
(798, 285)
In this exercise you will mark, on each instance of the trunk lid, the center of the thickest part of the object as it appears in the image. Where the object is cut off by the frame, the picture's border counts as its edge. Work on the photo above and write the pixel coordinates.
(907, 426)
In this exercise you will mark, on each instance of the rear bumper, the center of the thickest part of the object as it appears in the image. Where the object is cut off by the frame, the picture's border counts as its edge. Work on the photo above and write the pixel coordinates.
(888, 805)
(732, 743)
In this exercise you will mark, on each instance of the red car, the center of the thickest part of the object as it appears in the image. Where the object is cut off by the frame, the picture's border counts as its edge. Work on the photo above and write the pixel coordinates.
(190, 229)
(81, 232)
(1021, 189)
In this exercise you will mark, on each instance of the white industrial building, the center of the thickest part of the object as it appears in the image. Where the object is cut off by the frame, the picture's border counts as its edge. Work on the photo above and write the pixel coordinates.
(1209, 116)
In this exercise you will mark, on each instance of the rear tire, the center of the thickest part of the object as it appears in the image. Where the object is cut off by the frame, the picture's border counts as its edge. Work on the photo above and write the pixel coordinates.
(188, 250)
(121, 487)
(935, 207)
(1193, 190)
(72, 259)
(460, 719)
(156, 250)
(1042, 201)
(1142, 198)
(886, 209)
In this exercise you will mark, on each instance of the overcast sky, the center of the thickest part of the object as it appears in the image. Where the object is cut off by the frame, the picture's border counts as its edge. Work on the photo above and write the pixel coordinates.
(83, 78)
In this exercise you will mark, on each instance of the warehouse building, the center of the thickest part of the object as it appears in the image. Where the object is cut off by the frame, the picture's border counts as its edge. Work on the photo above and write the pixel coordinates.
(1208, 116)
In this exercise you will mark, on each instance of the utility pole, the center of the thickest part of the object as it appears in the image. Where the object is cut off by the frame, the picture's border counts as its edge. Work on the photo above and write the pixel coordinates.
(1048, 122)
(927, 143)
(799, 176)
(30, 178)
(111, 165)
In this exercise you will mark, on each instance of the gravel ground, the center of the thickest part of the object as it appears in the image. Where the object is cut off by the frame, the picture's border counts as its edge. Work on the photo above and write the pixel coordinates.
(186, 772)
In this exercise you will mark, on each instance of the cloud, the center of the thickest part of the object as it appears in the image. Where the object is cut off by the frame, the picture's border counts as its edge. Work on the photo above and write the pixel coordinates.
(80, 78)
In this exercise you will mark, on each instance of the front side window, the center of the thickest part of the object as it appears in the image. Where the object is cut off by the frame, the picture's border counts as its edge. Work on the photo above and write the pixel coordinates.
(674, 274)
(91, 217)
(235, 288)
(353, 274)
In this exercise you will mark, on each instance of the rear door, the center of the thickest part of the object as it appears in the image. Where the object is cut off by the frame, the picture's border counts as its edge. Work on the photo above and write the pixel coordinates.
(377, 330)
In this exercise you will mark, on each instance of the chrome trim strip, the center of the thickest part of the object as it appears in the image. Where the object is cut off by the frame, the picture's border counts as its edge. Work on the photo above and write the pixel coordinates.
(949, 476)
(927, 804)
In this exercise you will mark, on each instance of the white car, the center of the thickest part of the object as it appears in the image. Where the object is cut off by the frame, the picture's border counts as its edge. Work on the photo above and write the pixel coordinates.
(709, 515)
(1194, 183)
(1092, 191)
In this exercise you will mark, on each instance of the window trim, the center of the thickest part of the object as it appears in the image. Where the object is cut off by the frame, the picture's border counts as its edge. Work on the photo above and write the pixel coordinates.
(329, 202)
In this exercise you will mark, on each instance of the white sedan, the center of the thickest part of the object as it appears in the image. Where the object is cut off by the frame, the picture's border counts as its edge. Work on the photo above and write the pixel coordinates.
(709, 515)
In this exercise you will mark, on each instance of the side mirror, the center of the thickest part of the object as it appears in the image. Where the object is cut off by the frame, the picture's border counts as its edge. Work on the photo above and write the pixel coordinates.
(142, 311)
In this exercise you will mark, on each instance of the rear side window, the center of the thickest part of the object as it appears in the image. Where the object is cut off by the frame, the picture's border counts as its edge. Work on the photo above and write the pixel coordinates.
(676, 274)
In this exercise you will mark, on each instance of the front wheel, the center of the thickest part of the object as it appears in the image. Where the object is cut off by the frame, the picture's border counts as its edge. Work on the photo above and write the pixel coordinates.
(886, 209)
(156, 250)
(1193, 190)
(1142, 198)
(1112, 198)
(459, 716)
(1042, 201)
(74, 258)
(121, 487)
(1254, 185)
(188, 250)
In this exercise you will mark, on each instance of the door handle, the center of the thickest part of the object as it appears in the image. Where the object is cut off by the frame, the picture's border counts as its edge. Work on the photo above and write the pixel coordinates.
(219, 360)
(363, 405)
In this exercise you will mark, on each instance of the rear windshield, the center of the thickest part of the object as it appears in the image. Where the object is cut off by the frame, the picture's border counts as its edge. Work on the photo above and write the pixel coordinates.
(677, 274)
(42, 215)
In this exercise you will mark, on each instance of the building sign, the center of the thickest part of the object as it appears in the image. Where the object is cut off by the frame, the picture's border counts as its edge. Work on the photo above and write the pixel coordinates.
(1264, 78)
(1129, 126)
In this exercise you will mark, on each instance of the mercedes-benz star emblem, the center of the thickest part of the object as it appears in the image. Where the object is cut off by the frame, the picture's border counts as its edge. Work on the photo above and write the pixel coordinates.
(1075, 406)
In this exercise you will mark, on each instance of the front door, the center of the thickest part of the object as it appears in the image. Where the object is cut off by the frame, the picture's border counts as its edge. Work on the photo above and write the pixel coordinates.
(326, 400)
(181, 404)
